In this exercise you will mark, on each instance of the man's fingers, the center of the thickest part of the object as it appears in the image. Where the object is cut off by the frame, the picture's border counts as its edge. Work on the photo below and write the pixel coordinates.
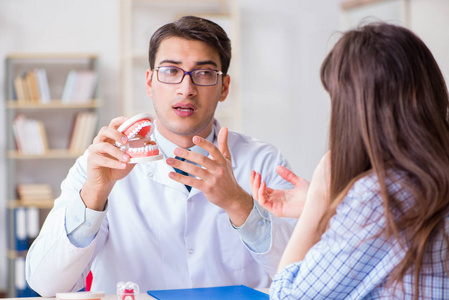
(217, 153)
(116, 122)
(196, 158)
(222, 141)
(184, 179)
(188, 167)
(107, 155)
(110, 135)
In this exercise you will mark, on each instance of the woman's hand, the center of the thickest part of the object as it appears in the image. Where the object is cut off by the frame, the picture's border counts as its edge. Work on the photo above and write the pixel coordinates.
(281, 203)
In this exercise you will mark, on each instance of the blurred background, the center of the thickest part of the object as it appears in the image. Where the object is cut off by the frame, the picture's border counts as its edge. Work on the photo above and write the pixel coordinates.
(276, 94)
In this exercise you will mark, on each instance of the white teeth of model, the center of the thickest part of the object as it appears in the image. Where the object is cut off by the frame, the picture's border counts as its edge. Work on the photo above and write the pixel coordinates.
(150, 147)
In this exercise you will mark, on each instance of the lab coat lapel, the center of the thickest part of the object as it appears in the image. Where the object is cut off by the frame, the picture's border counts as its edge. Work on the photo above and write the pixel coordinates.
(158, 171)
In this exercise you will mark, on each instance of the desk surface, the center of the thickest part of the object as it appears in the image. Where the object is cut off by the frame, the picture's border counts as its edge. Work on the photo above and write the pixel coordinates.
(142, 296)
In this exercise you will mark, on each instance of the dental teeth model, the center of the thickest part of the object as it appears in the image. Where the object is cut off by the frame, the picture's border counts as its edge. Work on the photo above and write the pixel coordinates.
(127, 290)
(140, 147)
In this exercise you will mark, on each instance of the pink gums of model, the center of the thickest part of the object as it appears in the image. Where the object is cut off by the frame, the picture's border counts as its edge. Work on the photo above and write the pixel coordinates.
(140, 147)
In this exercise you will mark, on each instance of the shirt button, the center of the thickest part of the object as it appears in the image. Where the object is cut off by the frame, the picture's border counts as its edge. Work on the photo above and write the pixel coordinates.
(261, 222)
(191, 251)
(265, 213)
(189, 200)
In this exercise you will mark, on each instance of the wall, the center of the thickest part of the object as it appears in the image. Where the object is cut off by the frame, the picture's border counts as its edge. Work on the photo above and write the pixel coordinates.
(429, 20)
(283, 44)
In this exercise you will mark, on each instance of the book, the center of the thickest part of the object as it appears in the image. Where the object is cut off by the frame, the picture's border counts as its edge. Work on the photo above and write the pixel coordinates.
(27, 88)
(21, 286)
(83, 131)
(32, 192)
(79, 87)
(20, 229)
(33, 226)
(44, 89)
(84, 88)
(34, 86)
(30, 135)
(89, 130)
(18, 88)
(19, 133)
(240, 292)
(68, 87)
(42, 136)
(76, 137)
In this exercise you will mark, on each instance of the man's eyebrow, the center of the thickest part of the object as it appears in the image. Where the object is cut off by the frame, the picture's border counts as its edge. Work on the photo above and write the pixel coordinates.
(169, 61)
(207, 62)
(199, 63)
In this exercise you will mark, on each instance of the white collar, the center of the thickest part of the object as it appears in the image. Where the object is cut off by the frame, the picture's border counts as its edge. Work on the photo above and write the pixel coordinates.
(167, 147)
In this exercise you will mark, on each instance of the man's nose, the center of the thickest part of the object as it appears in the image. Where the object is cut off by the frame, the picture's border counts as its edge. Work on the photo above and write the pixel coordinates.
(186, 86)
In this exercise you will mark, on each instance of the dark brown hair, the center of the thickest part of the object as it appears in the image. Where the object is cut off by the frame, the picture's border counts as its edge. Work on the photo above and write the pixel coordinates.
(390, 112)
(194, 28)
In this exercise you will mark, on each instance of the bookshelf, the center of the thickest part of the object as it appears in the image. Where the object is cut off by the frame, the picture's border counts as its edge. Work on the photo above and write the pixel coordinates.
(139, 19)
(34, 175)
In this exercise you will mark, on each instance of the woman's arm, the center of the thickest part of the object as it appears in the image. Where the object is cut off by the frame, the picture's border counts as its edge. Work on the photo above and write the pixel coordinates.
(307, 232)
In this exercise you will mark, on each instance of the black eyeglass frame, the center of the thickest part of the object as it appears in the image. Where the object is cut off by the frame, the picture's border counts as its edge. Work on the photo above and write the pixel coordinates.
(188, 73)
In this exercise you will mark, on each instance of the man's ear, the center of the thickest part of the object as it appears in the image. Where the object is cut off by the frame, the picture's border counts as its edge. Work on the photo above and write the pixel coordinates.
(149, 83)
(225, 88)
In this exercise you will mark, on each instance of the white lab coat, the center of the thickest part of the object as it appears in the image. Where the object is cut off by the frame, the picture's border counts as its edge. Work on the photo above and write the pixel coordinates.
(158, 235)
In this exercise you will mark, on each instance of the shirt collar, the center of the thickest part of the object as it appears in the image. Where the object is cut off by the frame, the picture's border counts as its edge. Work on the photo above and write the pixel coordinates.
(167, 147)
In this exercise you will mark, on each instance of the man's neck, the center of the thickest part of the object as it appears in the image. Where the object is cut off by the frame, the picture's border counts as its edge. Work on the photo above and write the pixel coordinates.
(168, 146)
(183, 141)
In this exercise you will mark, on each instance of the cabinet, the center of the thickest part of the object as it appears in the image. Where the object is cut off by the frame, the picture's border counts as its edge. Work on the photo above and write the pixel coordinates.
(57, 113)
(139, 19)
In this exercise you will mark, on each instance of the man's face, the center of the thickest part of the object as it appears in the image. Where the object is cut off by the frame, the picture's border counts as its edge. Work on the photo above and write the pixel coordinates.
(185, 109)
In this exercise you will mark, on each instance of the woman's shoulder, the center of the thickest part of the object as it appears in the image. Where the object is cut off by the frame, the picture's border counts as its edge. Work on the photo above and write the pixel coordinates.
(366, 191)
(395, 181)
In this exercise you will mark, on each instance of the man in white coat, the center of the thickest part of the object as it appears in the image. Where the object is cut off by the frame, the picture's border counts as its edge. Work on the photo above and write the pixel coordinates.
(139, 222)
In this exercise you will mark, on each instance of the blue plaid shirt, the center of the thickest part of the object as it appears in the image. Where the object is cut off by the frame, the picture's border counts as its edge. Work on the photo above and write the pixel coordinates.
(349, 263)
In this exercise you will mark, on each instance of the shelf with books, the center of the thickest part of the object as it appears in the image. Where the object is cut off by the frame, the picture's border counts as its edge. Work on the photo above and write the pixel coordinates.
(41, 144)
(52, 104)
(50, 154)
(39, 203)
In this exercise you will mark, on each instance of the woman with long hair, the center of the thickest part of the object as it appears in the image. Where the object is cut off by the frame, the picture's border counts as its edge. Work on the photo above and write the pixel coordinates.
(374, 222)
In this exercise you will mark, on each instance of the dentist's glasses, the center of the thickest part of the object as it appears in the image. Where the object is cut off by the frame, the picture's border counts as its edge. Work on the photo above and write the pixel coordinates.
(174, 75)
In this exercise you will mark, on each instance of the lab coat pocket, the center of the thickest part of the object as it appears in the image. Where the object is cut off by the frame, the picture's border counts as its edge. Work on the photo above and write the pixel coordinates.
(234, 254)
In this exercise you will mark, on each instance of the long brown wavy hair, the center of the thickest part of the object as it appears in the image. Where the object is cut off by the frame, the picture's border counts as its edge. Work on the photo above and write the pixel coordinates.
(390, 112)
